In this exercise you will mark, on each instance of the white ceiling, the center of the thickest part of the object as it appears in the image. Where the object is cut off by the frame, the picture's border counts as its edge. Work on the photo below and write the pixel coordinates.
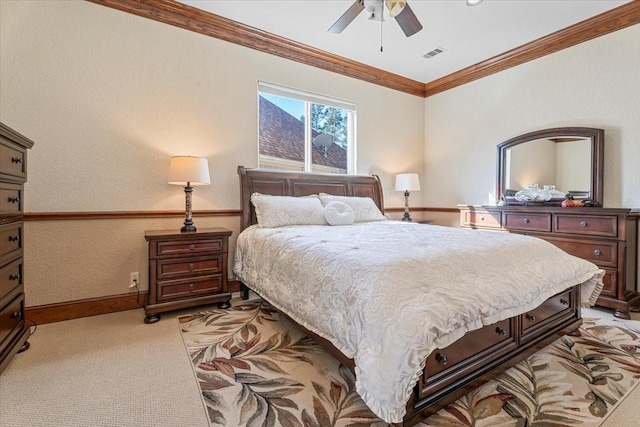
(469, 34)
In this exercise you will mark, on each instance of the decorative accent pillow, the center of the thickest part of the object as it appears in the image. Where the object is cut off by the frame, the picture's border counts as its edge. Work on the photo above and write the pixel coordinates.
(364, 208)
(279, 211)
(339, 213)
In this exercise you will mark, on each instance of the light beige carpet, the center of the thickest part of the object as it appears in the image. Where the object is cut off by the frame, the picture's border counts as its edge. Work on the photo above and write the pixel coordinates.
(257, 369)
(113, 370)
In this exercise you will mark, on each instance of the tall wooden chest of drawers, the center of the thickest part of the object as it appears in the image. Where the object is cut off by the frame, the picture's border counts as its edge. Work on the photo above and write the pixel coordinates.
(13, 174)
(605, 236)
(186, 270)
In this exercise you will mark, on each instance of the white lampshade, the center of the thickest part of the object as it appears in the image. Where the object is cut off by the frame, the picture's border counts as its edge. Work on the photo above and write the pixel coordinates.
(407, 182)
(189, 171)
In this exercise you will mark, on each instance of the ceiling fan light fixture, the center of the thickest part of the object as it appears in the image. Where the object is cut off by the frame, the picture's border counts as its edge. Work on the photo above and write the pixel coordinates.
(395, 7)
(474, 2)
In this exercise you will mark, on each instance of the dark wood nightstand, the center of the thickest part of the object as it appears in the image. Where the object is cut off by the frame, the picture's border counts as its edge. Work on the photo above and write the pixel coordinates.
(186, 270)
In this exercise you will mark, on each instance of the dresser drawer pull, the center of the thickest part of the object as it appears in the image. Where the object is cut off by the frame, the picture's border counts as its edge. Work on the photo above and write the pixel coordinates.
(501, 331)
(597, 252)
(481, 218)
(530, 318)
(525, 220)
(564, 301)
(16, 315)
(191, 266)
(192, 247)
(191, 286)
(14, 277)
(584, 223)
(14, 238)
(16, 160)
(441, 358)
(14, 199)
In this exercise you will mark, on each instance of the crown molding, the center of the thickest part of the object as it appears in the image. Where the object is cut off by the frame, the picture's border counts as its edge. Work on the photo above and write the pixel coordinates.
(199, 21)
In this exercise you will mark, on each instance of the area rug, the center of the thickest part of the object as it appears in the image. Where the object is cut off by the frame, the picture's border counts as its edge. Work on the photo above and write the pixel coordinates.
(257, 369)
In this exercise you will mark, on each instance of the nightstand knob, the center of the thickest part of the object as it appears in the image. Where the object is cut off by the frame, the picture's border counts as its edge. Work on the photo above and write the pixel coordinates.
(526, 220)
(597, 252)
(583, 223)
(191, 286)
(501, 331)
(192, 246)
(441, 358)
(191, 266)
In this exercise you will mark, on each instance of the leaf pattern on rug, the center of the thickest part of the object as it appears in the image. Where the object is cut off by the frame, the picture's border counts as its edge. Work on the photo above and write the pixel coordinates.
(257, 369)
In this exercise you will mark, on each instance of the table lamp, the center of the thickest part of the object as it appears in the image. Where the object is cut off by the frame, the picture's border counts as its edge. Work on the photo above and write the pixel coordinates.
(407, 182)
(188, 171)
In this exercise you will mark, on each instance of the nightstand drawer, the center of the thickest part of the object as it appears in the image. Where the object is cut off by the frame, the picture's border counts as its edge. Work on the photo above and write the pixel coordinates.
(603, 254)
(587, 225)
(172, 268)
(482, 219)
(527, 221)
(10, 276)
(189, 247)
(188, 288)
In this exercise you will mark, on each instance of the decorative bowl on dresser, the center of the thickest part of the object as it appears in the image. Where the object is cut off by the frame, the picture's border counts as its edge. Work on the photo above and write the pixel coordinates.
(572, 159)
(13, 174)
(186, 269)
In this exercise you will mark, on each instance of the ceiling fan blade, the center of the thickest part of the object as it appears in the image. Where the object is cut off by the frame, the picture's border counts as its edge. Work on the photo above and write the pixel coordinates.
(408, 21)
(347, 17)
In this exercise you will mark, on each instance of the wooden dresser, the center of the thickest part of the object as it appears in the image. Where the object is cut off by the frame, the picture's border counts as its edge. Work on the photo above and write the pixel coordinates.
(604, 236)
(13, 174)
(186, 270)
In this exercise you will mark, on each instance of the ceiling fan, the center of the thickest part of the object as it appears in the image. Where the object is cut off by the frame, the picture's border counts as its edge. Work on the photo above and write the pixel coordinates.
(398, 9)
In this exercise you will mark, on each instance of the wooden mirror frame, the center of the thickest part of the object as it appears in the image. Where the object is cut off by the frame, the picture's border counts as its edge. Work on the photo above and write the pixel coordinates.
(597, 157)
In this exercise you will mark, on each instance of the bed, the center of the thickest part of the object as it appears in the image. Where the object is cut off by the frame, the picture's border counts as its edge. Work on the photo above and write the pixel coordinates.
(350, 303)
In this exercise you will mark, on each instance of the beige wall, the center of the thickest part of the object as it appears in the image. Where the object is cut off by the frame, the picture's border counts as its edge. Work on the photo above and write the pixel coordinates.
(593, 84)
(108, 97)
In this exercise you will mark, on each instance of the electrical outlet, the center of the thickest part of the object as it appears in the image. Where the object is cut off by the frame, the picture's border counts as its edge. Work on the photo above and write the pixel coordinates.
(134, 279)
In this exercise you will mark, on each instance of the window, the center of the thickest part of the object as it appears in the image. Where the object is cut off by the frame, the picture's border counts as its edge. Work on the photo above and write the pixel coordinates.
(301, 131)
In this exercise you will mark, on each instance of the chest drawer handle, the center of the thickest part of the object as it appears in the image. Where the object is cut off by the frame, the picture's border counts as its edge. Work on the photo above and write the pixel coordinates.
(530, 318)
(16, 160)
(441, 358)
(526, 220)
(481, 218)
(564, 301)
(501, 331)
(16, 315)
(583, 223)
(597, 252)
(14, 238)
(191, 266)
(192, 246)
(14, 277)
(191, 286)
(14, 199)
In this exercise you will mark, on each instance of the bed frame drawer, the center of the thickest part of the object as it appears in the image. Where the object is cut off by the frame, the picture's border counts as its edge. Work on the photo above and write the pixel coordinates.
(445, 366)
(556, 309)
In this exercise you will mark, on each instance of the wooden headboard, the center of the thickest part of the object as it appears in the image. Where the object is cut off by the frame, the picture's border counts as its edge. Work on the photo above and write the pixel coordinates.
(283, 183)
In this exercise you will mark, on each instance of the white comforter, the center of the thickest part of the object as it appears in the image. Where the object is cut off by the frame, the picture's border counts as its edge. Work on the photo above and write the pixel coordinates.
(388, 293)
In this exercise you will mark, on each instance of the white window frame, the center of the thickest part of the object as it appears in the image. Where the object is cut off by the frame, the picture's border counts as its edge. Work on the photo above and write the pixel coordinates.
(313, 98)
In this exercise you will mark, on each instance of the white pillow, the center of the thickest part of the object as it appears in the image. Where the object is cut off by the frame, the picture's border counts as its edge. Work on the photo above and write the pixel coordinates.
(364, 208)
(279, 211)
(339, 213)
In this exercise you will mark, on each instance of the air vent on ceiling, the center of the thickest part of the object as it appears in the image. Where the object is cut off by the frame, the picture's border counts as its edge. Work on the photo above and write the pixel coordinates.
(434, 52)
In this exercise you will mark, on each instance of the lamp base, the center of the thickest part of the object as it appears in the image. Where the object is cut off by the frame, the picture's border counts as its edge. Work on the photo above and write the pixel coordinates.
(188, 228)
(406, 217)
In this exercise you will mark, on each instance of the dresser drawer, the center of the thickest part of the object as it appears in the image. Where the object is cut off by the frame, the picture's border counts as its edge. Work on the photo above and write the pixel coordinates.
(10, 276)
(561, 305)
(12, 161)
(10, 239)
(10, 198)
(11, 319)
(603, 254)
(481, 218)
(169, 290)
(189, 247)
(587, 225)
(527, 221)
(460, 356)
(172, 268)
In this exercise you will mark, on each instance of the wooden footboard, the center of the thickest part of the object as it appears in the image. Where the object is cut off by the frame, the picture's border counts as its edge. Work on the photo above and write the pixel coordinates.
(480, 355)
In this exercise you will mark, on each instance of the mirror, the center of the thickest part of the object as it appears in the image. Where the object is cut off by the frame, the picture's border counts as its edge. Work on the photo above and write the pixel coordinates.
(569, 158)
